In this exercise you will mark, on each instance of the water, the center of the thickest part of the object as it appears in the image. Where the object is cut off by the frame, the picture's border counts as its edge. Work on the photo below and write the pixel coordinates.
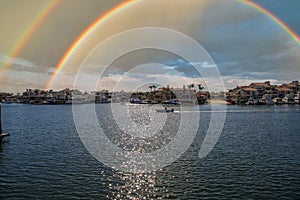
(257, 157)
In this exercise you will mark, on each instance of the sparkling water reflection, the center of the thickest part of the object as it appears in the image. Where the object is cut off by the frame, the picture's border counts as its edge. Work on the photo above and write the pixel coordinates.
(256, 157)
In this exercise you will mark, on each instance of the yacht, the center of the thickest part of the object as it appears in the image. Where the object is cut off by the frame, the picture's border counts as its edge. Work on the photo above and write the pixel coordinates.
(172, 102)
(297, 98)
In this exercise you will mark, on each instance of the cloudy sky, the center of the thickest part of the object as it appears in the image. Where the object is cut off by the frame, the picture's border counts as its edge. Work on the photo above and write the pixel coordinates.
(239, 43)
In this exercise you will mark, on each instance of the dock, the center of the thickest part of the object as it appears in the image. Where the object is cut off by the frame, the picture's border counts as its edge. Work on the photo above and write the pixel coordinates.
(2, 135)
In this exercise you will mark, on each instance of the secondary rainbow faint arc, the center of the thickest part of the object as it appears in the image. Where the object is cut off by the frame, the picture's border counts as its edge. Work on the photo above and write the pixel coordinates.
(27, 33)
(125, 4)
(83, 35)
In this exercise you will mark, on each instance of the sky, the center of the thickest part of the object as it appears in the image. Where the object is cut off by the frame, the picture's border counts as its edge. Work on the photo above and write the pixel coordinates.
(232, 40)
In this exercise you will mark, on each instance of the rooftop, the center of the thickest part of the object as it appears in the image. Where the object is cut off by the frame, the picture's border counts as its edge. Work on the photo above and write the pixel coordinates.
(260, 85)
(280, 88)
(248, 88)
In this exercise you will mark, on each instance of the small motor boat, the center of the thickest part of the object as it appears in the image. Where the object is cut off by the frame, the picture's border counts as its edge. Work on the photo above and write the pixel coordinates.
(165, 110)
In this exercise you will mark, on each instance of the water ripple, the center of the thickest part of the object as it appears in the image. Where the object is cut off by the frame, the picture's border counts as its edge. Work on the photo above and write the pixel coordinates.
(256, 157)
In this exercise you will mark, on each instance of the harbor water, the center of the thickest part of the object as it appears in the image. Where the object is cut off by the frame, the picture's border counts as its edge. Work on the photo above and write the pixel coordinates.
(257, 156)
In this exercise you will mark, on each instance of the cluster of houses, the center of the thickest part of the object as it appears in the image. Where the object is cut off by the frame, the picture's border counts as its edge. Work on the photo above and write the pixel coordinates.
(187, 95)
(253, 94)
(265, 93)
(65, 96)
(68, 96)
(37, 96)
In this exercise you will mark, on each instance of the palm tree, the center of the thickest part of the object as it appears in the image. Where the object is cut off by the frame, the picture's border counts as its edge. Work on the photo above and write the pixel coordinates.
(191, 86)
(200, 87)
(153, 86)
(150, 87)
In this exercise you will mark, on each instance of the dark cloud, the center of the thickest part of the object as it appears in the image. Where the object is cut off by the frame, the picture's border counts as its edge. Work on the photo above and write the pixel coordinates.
(248, 46)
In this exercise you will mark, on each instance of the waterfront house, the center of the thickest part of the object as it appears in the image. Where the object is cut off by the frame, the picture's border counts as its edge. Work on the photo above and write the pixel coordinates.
(185, 95)
(294, 86)
(33, 96)
(246, 92)
(163, 94)
(233, 95)
(264, 91)
(7, 97)
(103, 96)
(263, 88)
(282, 91)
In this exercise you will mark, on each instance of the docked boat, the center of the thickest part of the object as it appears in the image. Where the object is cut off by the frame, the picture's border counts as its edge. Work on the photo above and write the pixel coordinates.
(289, 99)
(242, 101)
(172, 102)
(269, 101)
(278, 101)
(232, 101)
(297, 98)
(251, 101)
(135, 101)
(51, 100)
(261, 102)
(104, 101)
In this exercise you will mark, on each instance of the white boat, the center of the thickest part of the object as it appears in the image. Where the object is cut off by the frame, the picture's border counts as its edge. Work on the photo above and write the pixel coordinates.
(278, 101)
(172, 102)
(135, 101)
(268, 99)
(251, 101)
(297, 98)
(51, 100)
(285, 100)
(289, 99)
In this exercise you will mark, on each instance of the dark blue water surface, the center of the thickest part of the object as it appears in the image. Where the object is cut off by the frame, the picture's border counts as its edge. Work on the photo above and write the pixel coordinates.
(257, 157)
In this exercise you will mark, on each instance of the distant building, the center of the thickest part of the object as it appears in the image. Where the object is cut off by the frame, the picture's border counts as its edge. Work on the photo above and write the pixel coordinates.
(282, 91)
(4, 97)
(263, 90)
(293, 86)
(103, 96)
(249, 92)
(185, 95)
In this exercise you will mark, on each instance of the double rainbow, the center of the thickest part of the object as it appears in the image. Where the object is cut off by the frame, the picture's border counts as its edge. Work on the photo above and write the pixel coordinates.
(49, 7)
(127, 3)
(84, 35)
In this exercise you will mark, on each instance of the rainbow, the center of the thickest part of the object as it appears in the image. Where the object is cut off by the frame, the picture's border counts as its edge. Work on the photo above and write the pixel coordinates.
(274, 18)
(27, 34)
(84, 35)
(124, 5)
